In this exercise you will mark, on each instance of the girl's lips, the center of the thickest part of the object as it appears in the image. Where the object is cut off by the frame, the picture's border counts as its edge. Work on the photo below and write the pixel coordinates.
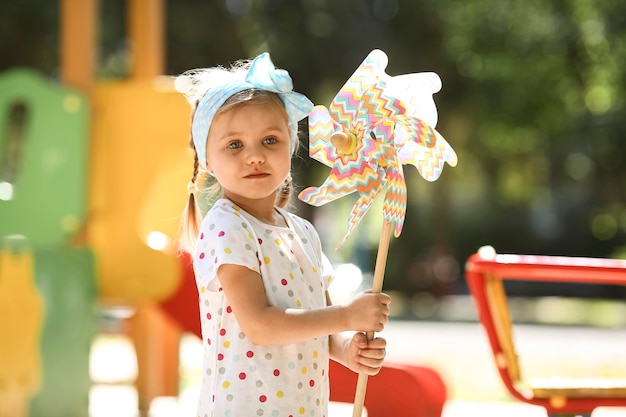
(256, 175)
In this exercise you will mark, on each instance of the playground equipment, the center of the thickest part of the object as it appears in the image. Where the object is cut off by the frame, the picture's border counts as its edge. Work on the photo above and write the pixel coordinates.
(90, 193)
(485, 273)
(92, 182)
(47, 285)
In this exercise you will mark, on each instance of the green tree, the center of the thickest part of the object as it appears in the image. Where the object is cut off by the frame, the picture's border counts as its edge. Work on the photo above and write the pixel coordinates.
(532, 101)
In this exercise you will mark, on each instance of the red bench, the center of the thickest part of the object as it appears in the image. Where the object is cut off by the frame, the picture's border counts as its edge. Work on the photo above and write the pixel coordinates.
(485, 272)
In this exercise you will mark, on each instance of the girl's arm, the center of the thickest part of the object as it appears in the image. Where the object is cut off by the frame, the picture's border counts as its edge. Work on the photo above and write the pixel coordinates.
(270, 325)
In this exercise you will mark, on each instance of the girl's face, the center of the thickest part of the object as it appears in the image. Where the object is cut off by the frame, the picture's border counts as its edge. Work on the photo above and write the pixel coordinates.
(248, 152)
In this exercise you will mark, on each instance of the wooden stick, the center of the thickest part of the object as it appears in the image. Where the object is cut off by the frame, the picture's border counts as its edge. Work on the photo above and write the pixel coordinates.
(377, 286)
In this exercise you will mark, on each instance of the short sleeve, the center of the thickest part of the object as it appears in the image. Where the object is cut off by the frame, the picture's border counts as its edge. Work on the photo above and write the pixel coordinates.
(224, 238)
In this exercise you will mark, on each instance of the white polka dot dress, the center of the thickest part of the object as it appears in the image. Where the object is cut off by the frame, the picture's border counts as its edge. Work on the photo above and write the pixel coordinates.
(242, 379)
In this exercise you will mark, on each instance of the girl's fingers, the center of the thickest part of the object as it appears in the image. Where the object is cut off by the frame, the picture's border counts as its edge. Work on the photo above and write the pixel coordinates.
(377, 354)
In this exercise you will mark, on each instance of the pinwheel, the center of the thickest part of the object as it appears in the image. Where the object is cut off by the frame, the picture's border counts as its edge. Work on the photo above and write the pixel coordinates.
(370, 129)
(375, 124)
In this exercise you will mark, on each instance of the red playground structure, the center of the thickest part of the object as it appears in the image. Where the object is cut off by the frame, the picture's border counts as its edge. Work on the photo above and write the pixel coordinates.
(485, 273)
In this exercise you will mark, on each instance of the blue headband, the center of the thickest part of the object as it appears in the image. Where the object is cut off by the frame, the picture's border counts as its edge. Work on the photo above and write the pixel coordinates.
(261, 75)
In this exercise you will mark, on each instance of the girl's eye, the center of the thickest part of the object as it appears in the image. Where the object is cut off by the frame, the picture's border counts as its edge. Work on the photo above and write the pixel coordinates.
(234, 145)
(270, 140)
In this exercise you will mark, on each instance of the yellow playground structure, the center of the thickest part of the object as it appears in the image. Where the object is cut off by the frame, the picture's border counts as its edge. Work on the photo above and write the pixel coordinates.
(92, 182)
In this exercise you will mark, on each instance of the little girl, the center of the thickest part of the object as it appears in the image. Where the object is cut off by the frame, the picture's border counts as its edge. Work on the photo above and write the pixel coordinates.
(268, 325)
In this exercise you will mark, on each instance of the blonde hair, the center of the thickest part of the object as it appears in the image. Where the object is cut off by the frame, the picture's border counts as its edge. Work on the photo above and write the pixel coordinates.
(201, 182)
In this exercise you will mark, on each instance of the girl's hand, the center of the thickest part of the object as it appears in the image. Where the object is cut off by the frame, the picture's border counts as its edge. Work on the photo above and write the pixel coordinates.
(368, 312)
(365, 356)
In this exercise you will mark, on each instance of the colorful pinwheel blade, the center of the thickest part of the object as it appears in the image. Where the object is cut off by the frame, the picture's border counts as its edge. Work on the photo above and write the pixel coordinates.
(344, 178)
(359, 209)
(327, 192)
(362, 101)
(347, 104)
(394, 204)
(321, 127)
(412, 129)
(429, 161)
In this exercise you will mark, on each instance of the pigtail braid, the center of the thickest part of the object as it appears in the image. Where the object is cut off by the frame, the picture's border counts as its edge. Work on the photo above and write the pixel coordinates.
(190, 219)
(283, 194)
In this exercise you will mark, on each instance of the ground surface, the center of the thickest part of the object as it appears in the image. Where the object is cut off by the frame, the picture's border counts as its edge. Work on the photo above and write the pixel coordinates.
(458, 351)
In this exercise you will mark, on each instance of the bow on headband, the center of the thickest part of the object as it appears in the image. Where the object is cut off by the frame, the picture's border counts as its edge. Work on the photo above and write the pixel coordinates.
(261, 75)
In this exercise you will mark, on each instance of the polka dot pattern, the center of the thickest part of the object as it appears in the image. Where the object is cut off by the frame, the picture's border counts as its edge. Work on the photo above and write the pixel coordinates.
(240, 378)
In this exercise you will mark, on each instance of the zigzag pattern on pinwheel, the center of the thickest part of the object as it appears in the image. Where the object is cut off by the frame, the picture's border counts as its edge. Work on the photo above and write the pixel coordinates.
(434, 161)
(423, 133)
(352, 171)
(381, 154)
(448, 153)
(431, 169)
(372, 104)
(415, 130)
(369, 66)
(359, 210)
(377, 103)
(383, 131)
(428, 161)
(345, 106)
(321, 127)
(365, 75)
(341, 181)
(318, 196)
(394, 204)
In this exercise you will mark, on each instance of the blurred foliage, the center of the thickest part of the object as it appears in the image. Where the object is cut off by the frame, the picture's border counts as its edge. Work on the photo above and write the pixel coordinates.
(532, 101)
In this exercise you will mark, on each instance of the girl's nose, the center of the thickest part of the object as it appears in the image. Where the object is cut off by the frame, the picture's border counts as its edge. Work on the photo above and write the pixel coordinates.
(255, 156)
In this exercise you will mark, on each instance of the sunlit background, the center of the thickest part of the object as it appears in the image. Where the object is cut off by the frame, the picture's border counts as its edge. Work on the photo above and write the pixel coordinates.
(532, 102)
